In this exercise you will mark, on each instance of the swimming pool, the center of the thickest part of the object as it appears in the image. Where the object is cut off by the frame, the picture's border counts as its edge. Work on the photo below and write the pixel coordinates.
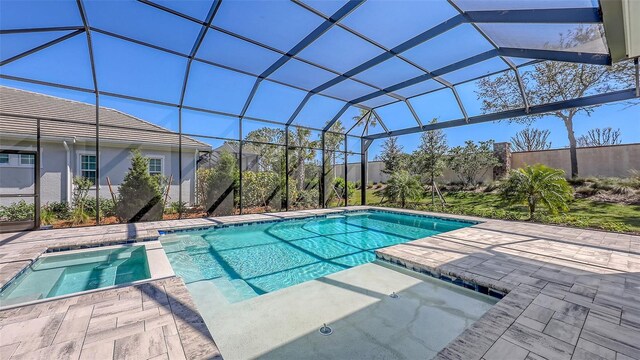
(246, 261)
(56, 275)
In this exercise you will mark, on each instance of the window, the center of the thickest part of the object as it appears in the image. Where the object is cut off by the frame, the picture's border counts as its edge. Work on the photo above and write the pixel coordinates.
(155, 166)
(4, 158)
(27, 159)
(88, 167)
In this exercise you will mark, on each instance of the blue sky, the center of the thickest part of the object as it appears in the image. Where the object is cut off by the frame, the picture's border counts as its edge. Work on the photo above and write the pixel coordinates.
(129, 69)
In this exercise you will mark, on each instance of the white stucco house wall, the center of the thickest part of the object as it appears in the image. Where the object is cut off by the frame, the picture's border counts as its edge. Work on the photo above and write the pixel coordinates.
(68, 149)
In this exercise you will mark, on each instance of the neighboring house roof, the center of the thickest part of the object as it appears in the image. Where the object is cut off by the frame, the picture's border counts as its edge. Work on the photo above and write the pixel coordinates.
(232, 147)
(116, 126)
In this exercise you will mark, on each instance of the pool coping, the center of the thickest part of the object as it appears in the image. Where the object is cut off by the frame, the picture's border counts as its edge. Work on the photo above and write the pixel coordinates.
(486, 333)
(152, 231)
(315, 216)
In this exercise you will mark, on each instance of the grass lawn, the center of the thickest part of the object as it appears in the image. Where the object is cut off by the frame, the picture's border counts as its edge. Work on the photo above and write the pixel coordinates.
(582, 213)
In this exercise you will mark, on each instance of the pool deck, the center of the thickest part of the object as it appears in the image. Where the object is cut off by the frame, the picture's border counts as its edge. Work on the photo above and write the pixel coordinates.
(572, 294)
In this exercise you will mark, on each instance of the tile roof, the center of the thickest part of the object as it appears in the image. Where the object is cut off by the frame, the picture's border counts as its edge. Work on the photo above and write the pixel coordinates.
(115, 126)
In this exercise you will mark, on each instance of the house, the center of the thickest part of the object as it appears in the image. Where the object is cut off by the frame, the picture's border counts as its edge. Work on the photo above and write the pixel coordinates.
(68, 133)
(250, 154)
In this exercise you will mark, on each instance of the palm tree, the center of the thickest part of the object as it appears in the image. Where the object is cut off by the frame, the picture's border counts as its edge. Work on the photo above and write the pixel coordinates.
(538, 184)
(401, 187)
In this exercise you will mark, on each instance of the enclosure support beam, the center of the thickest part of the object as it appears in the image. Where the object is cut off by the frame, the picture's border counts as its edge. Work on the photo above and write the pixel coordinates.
(364, 169)
(384, 127)
(346, 170)
(87, 31)
(588, 58)
(240, 164)
(368, 113)
(413, 112)
(41, 47)
(335, 118)
(36, 180)
(523, 93)
(462, 109)
(637, 66)
(194, 50)
(589, 15)
(509, 114)
(556, 55)
(299, 108)
(323, 173)
(286, 167)
(42, 29)
(345, 10)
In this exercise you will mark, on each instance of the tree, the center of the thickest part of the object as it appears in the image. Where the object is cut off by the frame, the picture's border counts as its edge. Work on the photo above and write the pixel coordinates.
(429, 159)
(139, 195)
(538, 184)
(401, 187)
(531, 139)
(342, 192)
(392, 156)
(370, 119)
(551, 81)
(472, 161)
(269, 156)
(301, 150)
(600, 137)
(217, 184)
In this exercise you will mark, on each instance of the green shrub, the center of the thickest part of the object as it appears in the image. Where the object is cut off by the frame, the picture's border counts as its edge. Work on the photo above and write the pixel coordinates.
(261, 189)
(401, 187)
(47, 216)
(81, 188)
(139, 195)
(308, 198)
(493, 186)
(538, 185)
(176, 207)
(578, 181)
(622, 190)
(339, 188)
(17, 211)
(79, 216)
(472, 161)
(60, 209)
(107, 207)
(586, 191)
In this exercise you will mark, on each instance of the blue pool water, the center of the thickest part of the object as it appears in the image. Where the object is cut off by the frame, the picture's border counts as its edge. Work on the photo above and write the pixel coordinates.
(255, 259)
(64, 274)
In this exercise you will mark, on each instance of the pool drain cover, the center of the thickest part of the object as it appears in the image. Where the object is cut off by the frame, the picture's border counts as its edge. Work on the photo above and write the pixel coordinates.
(393, 295)
(325, 330)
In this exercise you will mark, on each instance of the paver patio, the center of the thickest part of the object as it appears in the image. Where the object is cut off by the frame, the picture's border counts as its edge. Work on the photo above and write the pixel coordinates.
(572, 294)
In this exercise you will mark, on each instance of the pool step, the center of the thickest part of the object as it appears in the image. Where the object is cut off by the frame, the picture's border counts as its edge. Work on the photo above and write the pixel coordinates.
(36, 286)
(234, 290)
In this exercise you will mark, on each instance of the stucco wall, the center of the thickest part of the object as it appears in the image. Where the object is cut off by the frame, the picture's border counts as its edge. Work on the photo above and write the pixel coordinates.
(602, 161)
(376, 175)
(114, 163)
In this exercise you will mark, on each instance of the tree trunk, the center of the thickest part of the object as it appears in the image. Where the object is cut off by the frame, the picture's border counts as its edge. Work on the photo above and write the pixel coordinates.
(532, 208)
(433, 190)
(568, 123)
(300, 169)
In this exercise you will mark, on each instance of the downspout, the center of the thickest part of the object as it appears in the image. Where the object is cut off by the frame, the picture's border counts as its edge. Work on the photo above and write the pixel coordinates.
(194, 191)
(66, 148)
